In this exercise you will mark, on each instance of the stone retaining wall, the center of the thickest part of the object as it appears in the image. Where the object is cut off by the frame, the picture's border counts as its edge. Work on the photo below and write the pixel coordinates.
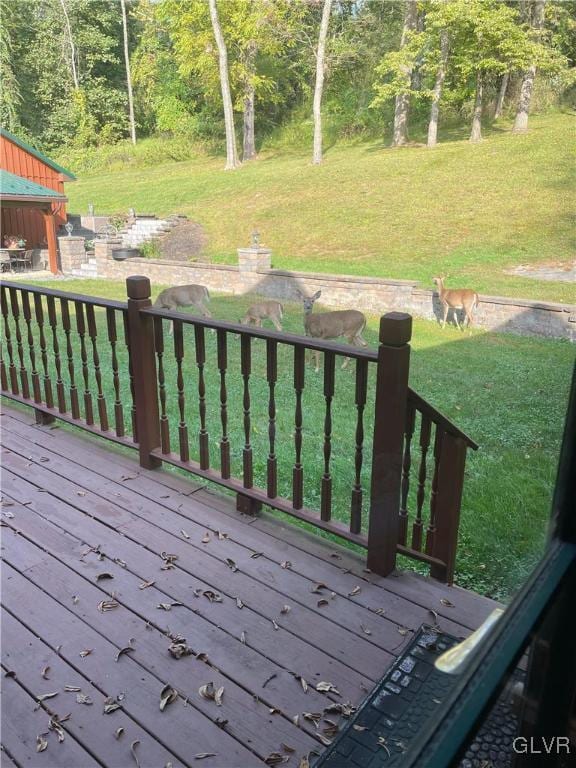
(373, 295)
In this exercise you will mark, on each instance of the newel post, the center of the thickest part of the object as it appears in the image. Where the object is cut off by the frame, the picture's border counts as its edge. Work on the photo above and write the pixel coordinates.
(389, 425)
(141, 340)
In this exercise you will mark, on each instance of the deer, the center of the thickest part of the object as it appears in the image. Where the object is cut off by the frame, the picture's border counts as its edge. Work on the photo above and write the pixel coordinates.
(348, 323)
(264, 310)
(184, 296)
(456, 298)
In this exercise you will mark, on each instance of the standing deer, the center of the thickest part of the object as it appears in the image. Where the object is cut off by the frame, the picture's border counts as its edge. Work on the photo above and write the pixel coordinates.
(331, 325)
(456, 298)
(271, 310)
(184, 296)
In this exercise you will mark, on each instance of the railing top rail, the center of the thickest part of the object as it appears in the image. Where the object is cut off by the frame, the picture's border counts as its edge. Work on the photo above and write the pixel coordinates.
(438, 418)
(292, 339)
(96, 301)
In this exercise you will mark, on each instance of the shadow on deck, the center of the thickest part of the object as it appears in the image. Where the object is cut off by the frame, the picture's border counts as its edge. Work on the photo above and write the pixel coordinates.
(101, 555)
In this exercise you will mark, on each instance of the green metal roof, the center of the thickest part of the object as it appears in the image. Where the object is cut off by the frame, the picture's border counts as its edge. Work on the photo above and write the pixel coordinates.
(40, 155)
(15, 186)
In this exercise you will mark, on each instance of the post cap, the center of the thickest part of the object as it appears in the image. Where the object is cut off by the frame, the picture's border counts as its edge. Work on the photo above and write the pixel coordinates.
(138, 287)
(395, 329)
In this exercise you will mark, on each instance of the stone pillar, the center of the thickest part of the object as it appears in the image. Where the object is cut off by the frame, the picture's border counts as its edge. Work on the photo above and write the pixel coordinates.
(254, 259)
(103, 254)
(72, 253)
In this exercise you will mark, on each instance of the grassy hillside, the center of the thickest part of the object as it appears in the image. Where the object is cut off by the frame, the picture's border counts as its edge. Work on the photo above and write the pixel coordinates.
(468, 211)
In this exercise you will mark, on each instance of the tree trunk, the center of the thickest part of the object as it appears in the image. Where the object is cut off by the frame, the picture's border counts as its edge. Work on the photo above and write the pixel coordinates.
(416, 76)
(476, 134)
(73, 67)
(501, 95)
(521, 121)
(400, 133)
(128, 73)
(319, 86)
(437, 94)
(249, 146)
(231, 154)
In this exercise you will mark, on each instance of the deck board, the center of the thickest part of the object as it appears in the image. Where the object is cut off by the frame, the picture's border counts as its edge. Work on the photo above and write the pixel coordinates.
(64, 493)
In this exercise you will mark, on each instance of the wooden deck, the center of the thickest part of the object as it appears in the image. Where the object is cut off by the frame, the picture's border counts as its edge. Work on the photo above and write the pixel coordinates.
(262, 605)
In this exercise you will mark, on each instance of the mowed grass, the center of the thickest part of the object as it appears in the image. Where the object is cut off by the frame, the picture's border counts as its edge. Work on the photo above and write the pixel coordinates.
(509, 393)
(468, 211)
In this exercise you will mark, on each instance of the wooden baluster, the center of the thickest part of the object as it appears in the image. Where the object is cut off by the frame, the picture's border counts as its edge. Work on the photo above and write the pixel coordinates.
(39, 312)
(272, 376)
(133, 419)
(179, 355)
(360, 401)
(425, 425)
(113, 340)
(27, 314)
(25, 388)
(81, 329)
(200, 345)
(431, 531)
(66, 324)
(246, 369)
(298, 470)
(164, 423)
(406, 464)
(12, 370)
(3, 374)
(100, 399)
(326, 487)
(224, 442)
(53, 322)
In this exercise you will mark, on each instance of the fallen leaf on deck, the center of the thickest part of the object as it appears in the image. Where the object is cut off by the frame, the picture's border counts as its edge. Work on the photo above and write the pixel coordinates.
(206, 538)
(324, 740)
(313, 717)
(285, 609)
(359, 727)
(303, 683)
(81, 698)
(354, 592)
(202, 657)
(447, 602)
(243, 638)
(202, 755)
(41, 743)
(122, 651)
(167, 696)
(120, 562)
(54, 725)
(127, 477)
(434, 616)
(380, 611)
(10, 673)
(254, 555)
(274, 711)
(105, 575)
(275, 758)
(133, 751)
(365, 630)
(218, 696)
(168, 606)
(286, 564)
(220, 722)
(221, 535)
(45, 672)
(118, 733)
(296, 719)
(287, 747)
(183, 532)
(276, 627)
(75, 599)
(322, 603)
(81, 493)
(179, 648)
(146, 584)
(239, 603)
(85, 652)
(72, 688)
(402, 631)
(304, 762)
(44, 696)
(346, 709)
(331, 729)
(207, 691)
(107, 605)
(317, 588)
(110, 705)
(324, 687)
(231, 564)
(214, 597)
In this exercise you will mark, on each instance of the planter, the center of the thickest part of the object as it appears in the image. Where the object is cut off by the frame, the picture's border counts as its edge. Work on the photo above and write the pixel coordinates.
(119, 254)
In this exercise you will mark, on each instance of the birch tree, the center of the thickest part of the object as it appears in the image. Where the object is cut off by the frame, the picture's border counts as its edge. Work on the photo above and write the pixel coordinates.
(70, 40)
(521, 120)
(501, 95)
(319, 85)
(231, 154)
(128, 73)
(438, 85)
(402, 105)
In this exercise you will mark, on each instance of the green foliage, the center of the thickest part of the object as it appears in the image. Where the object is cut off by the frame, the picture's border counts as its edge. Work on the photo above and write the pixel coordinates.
(150, 249)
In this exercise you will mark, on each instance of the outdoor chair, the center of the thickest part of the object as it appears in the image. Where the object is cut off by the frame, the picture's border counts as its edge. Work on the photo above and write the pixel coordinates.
(23, 260)
(5, 261)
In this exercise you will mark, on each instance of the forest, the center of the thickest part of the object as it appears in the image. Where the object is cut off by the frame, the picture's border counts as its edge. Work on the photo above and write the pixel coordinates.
(235, 76)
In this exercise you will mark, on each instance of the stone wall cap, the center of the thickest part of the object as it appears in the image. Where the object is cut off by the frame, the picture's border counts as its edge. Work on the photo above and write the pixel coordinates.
(70, 238)
(341, 278)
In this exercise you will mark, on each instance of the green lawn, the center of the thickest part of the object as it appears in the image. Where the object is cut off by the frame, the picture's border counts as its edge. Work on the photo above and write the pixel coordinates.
(508, 392)
(467, 211)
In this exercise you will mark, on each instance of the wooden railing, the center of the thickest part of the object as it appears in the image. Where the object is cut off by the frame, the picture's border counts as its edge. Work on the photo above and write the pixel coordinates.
(210, 398)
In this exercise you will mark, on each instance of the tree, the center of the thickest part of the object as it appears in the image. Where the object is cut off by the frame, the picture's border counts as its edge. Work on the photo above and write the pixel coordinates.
(521, 120)
(70, 39)
(438, 85)
(231, 154)
(319, 85)
(501, 95)
(128, 73)
(400, 130)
